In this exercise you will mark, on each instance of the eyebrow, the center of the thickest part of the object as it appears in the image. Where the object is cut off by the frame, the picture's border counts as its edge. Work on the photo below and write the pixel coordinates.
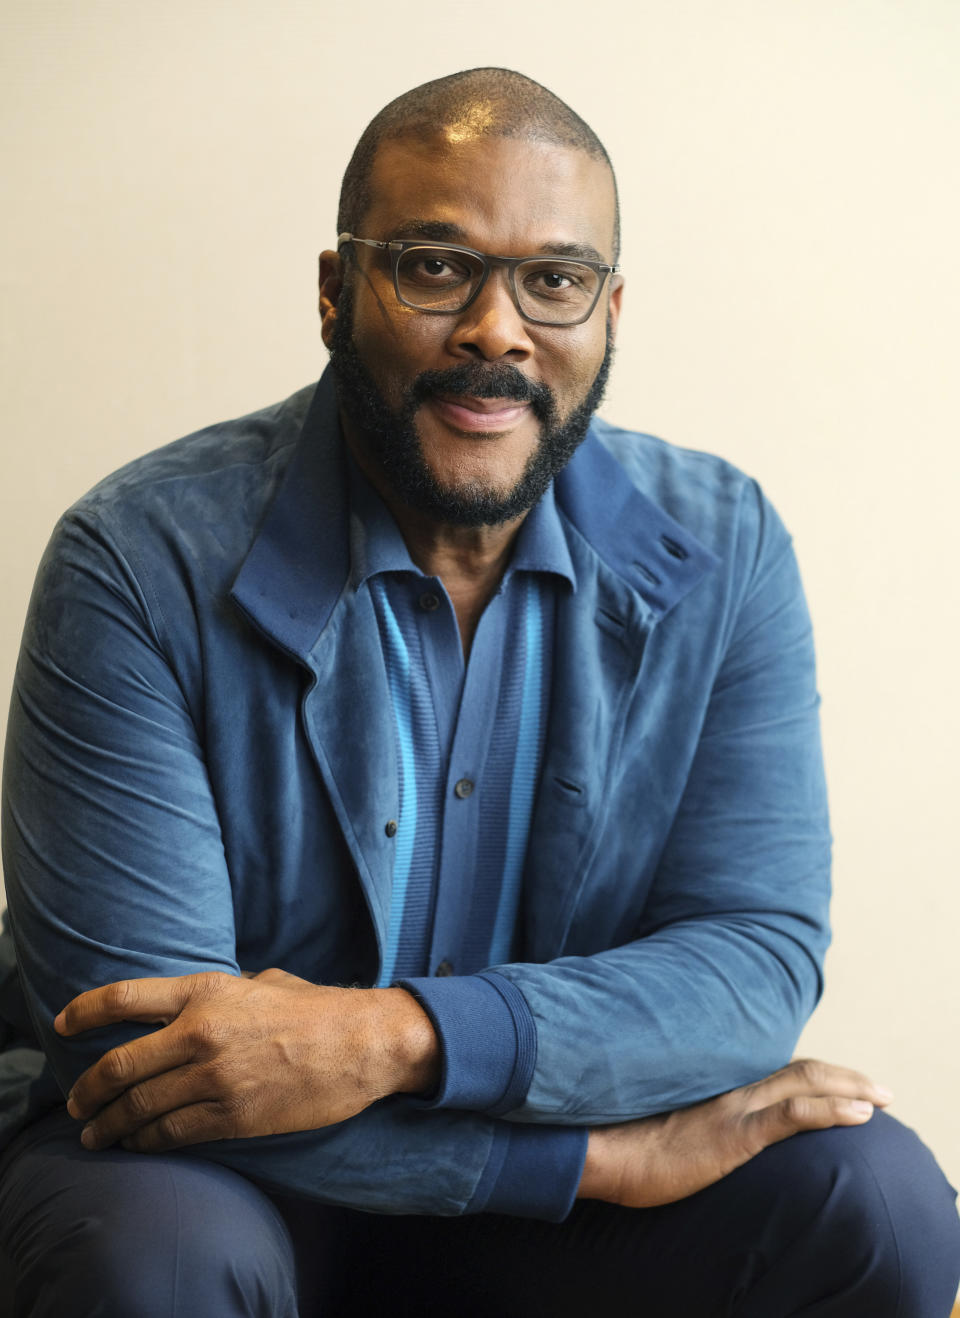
(440, 231)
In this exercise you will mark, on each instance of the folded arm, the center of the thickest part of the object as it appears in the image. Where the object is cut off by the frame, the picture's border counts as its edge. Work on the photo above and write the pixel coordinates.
(116, 870)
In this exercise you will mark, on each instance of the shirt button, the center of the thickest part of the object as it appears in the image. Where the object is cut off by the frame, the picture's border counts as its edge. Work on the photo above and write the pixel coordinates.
(444, 969)
(429, 601)
(390, 828)
(463, 788)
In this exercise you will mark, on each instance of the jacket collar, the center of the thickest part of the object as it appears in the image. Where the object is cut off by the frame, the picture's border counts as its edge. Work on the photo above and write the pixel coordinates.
(656, 556)
(299, 563)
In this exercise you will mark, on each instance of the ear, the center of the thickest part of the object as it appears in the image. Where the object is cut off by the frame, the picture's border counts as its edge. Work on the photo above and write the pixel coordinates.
(331, 283)
(616, 300)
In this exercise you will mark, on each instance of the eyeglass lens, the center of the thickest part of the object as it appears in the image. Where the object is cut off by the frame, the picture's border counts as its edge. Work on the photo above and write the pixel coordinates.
(547, 289)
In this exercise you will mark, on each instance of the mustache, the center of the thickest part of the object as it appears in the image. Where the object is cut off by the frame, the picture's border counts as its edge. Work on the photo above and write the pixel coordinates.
(481, 380)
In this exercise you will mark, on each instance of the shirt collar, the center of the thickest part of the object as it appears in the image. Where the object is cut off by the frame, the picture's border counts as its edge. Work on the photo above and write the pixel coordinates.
(542, 543)
(376, 544)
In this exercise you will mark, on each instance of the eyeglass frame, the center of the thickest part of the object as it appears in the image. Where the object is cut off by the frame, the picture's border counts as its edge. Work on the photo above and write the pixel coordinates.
(395, 248)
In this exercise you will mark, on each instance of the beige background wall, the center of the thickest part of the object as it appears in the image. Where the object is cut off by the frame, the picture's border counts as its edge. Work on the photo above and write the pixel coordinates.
(791, 212)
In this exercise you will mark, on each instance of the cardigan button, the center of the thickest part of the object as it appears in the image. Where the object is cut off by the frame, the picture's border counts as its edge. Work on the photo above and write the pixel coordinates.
(463, 788)
(429, 602)
(390, 828)
(444, 969)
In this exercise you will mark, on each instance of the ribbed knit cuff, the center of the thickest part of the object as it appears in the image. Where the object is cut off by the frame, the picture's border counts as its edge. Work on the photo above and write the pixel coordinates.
(488, 1040)
(532, 1171)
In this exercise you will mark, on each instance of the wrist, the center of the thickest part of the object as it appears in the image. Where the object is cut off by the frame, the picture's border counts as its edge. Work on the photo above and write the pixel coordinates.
(599, 1171)
(410, 1047)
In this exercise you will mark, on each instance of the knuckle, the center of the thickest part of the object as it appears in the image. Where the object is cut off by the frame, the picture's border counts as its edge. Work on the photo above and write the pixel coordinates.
(196, 988)
(121, 995)
(211, 984)
(118, 1065)
(810, 1072)
(206, 1034)
(136, 1104)
(798, 1110)
(171, 1128)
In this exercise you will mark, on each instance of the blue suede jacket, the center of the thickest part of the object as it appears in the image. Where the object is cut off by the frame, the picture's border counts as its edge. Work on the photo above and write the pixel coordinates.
(201, 762)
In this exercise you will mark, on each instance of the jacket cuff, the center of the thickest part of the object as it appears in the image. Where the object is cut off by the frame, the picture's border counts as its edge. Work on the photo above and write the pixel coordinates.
(532, 1171)
(488, 1040)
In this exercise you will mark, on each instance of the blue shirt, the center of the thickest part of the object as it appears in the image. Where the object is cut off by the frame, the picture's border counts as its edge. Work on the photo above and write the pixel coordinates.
(470, 738)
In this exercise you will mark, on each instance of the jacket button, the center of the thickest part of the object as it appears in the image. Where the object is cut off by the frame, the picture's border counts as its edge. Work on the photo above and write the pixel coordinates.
(429, 601)
(463, 788)
(390, 828)
(444, 969)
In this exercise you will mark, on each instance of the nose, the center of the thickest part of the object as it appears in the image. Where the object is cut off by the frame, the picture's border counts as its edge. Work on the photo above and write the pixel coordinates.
(491, 327)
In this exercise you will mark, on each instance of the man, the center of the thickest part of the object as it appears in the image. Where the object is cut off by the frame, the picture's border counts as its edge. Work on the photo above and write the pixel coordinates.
(411, 684)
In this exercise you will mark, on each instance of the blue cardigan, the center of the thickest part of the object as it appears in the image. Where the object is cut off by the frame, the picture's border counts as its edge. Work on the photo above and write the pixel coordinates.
(200, 765)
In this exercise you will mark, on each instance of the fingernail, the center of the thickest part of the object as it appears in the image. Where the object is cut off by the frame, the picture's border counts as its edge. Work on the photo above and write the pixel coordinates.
(87, 1138)
(883, 1093)
(71, 1106)
(861, 1108)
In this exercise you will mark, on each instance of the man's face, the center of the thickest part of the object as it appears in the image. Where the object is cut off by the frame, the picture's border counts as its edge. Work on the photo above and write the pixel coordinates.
(468, 415)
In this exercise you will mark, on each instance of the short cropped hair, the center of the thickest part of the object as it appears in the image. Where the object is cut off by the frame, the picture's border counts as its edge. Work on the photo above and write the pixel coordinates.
(493, 102)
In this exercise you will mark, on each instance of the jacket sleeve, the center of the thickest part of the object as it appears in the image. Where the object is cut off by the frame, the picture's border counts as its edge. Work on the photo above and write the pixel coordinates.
(115, 868)
(724, 968)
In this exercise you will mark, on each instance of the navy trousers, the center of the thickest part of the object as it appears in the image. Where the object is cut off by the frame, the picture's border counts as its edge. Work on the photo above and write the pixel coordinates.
(858, 1223)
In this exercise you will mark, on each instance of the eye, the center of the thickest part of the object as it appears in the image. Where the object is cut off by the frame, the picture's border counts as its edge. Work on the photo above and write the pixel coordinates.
(555, 280)
(558, 281)
(434, 267)
(428, 266)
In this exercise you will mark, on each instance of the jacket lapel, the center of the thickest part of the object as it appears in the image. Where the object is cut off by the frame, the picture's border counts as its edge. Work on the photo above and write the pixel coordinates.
(349, 723)
(294, 586)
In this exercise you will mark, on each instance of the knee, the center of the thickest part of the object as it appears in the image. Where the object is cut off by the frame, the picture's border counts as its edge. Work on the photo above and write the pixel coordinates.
(189, 1254)
(139, 1237)
(882, 1212)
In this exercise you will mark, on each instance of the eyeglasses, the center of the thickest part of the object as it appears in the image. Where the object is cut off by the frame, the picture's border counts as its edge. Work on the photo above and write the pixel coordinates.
(441, 278)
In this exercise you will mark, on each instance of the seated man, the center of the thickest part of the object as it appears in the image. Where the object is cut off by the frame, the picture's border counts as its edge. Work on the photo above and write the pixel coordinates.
(414, 790)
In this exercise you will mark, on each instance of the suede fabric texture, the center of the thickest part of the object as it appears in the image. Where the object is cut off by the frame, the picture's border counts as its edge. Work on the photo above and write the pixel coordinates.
(201, 765)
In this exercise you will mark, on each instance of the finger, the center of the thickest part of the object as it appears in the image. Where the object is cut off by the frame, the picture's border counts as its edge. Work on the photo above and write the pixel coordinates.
(145, 1103)
(802, 1112)
(149, 1000)
(127, 1065)
(806, 1076)
(195, 1124)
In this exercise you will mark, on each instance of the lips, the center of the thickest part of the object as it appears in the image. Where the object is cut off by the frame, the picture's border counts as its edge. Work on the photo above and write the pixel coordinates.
(465, 412)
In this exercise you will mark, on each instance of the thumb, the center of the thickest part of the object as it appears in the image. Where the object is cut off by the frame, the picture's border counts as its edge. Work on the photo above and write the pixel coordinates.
(802, 1112)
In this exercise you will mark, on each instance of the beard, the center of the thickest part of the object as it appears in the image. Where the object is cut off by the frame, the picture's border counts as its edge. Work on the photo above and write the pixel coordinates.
(390, 434)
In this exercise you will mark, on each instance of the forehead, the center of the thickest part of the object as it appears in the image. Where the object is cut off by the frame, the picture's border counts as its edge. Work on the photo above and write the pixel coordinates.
(509, 196)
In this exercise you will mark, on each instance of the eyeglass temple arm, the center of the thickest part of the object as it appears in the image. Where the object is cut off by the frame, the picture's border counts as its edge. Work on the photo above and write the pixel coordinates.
(345, 238)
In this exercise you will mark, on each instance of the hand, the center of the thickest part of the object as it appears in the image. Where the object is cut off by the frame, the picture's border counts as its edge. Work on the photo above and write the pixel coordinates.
(243, 1056)
(657, 1160)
